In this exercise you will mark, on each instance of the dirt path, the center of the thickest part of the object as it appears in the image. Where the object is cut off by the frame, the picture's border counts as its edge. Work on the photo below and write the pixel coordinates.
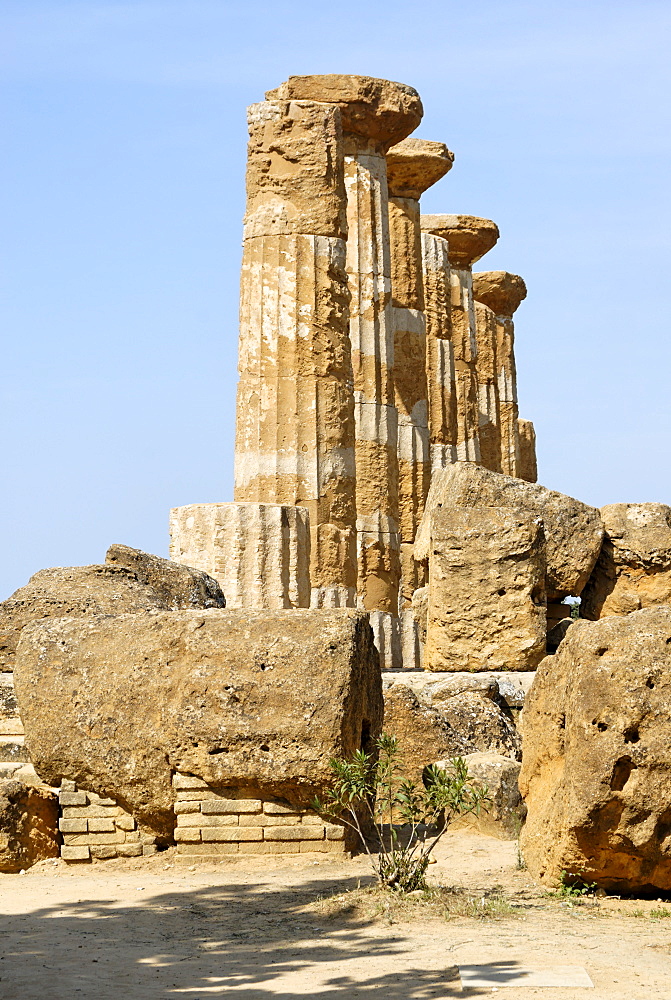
(152, 930)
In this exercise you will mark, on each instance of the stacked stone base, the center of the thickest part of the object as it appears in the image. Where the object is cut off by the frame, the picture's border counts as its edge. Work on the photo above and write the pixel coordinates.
(218, 822)
(95, 828)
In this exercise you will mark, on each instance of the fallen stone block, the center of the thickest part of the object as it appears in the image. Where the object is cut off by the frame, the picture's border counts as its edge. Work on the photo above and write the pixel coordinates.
(28, 825)
(596, 774)
(486, 590)
(177, 586)
(503, 814)
(633, 570)
(573, 531)
(255, 699)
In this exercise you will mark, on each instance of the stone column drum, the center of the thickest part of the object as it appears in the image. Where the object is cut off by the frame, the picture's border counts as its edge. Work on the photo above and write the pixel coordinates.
(413, 165)
(503, 292)
(259, 553)
(376, 114)
(469, 238)
(295, 412)
(489, 411)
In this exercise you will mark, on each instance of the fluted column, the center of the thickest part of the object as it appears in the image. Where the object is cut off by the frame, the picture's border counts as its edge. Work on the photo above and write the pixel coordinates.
(413, 165)
(375, 115)
(468, 238)
(489, 409)
(295, 413)
(528, 468)
(503, 292)
(440, 369)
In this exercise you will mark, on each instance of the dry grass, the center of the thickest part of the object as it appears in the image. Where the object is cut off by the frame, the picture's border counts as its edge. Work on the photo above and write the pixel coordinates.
(443, 902)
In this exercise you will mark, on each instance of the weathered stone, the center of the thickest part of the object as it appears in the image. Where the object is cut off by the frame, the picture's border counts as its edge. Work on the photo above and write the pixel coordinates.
(412, 166)
(557, 634)
(28, 825)
(420, 610)
(573, 531)
(506, 688)
(486, 590)
(504, 813)
(176, 585)
(633, 570)
(295, 418)
(489, 406)
(440, 355)
(294, 170)
(109, 589)
(376, 110)
(482, 722)
(423, 733)
(468, 238)
(596, 774)
(528, 467)
(449, 686)
(258, 552)
(260, 699)
(8, 706)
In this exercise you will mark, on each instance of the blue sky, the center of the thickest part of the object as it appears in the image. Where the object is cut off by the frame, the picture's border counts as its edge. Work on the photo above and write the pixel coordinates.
(122, 197)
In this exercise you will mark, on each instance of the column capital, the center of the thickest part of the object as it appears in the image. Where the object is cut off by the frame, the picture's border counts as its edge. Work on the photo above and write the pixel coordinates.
(413, 165)
(378, 111)
(468, 236)
(500, 290)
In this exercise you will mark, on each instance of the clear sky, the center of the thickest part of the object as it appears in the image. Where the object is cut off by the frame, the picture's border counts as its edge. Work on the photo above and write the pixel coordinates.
(123, 192)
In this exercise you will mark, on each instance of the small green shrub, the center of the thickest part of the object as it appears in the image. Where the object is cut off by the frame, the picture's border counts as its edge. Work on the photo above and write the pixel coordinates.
(572, 886)
(407, 820)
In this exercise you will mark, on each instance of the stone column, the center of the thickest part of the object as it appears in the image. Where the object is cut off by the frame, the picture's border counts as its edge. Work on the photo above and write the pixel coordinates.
(295, 411)
(376, 114)
(440, 370)
(469, 238)
(413, 165)
(528, 468)
(503, 292)
(489, 411)
(259, 553)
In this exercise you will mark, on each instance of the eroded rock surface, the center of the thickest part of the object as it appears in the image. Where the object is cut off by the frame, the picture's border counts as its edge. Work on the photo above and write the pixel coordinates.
(129, 581)
(254, 699)
(503, 814)
(482, 722)
(28, 825)
(573, 531)
(633, 570)
(486, 590)
(596, 772)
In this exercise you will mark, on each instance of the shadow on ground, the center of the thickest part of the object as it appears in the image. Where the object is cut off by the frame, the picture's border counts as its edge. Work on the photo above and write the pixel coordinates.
(251, 941)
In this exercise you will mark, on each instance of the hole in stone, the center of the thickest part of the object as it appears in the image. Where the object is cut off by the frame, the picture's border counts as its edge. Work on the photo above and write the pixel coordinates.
(621, 772)
(631, 735)
(217, 750)
(668, 641)
(650, 683)
(601, 650)
(365, 736)
(501, 592)
(602, 727)
(265, 748)
(562, 722)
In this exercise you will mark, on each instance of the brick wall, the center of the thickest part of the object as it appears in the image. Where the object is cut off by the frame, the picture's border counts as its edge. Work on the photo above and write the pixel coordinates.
(94, 827)
(214, 822)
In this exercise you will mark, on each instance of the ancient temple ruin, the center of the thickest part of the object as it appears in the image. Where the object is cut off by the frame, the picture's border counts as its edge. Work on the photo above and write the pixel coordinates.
(370, 357)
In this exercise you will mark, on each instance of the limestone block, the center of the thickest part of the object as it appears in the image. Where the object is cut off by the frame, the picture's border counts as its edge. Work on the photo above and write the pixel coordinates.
(412, 646)
(378, 111)
(595, 774)
(489, 409)
(387, 639)
(259, 553)
(486, 590)
(255, 699)
(504, 813)
(469, 237)
(424, 735)
(74, 591)
(573, 531)
(633, 570)
(528, 468)
(294, 169)
(177, 586)
(478, 719)
(28, 825)
(440, 358)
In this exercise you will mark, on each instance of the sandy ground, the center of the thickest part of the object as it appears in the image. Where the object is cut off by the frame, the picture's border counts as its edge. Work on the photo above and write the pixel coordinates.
(151, 929)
